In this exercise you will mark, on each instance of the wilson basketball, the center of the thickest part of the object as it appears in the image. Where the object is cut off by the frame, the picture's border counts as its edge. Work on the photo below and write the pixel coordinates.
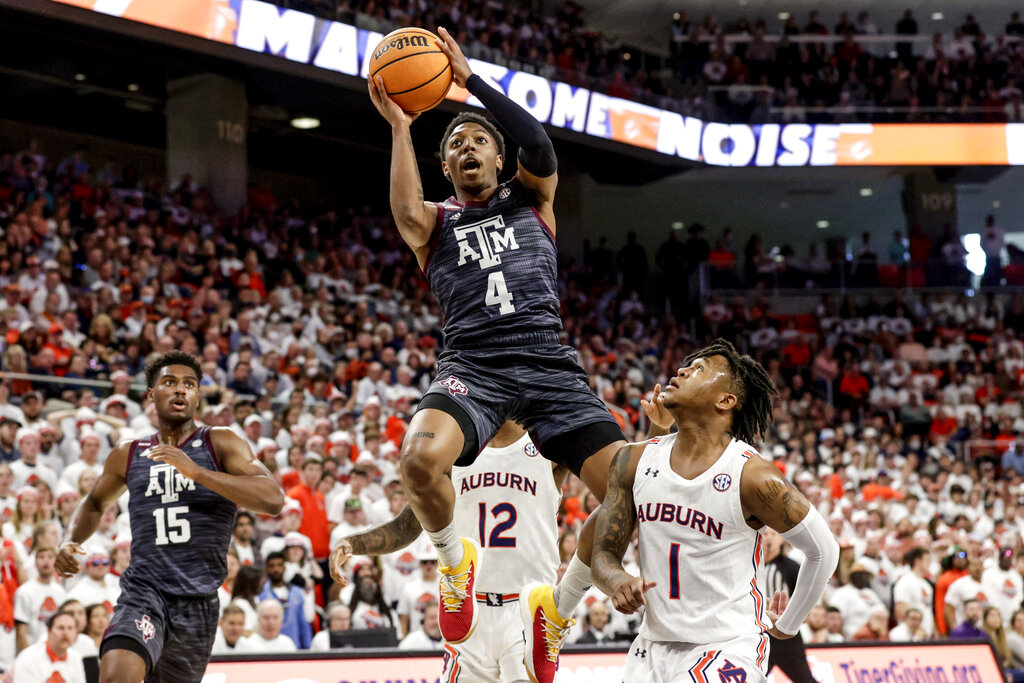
(416, 73)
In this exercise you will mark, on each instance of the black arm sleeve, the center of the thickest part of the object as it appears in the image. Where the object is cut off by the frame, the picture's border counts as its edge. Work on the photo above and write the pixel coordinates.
(536, 153)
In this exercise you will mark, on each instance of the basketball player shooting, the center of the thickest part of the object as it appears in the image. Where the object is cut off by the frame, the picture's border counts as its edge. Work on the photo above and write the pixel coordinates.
(489, 255)
(184, 483)
(700, 497)
(508, 498)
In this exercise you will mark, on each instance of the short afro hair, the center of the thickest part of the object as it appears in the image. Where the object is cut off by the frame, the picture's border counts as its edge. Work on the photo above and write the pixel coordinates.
(473, 117)
(154, 366)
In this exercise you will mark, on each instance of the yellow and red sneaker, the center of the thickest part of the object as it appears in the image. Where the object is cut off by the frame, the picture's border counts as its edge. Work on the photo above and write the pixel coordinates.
(457, 616)
(545, 631)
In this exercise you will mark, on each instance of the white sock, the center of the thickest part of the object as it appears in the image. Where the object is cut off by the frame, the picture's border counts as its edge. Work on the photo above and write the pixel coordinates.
(574, 585)
(448, 544)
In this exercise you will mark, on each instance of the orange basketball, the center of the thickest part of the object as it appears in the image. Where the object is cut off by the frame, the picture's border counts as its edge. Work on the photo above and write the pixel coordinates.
(416, 73)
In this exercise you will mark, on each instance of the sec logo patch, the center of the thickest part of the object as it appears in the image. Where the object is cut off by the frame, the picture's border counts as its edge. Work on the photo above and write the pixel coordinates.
(721, 482)
(531, 450)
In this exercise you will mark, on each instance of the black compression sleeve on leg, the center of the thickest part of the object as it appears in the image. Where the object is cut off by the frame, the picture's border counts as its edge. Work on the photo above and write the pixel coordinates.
(536, 153)
(117, 642)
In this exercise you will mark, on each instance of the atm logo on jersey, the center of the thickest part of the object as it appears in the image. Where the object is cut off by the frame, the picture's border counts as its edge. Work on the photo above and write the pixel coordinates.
(455, 386)
(146, 627)
(483, 242)
(166, 482)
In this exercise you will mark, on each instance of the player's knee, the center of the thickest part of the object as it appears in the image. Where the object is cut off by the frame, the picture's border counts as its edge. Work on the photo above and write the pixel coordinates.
(422, 465)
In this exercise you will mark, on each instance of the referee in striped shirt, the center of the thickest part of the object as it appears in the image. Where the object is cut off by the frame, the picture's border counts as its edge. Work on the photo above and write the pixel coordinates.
(780, 574)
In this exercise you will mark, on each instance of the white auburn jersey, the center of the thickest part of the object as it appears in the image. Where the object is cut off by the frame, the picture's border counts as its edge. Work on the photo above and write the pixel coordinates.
(696, 544)
(507, 502)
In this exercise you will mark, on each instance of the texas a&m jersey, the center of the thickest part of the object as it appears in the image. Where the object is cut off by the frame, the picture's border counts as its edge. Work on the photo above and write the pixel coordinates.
(180, 529)
(493, 267)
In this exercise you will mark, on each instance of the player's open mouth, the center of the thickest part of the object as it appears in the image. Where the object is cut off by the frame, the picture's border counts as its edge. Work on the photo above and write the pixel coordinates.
(179, 405)
(470, 165)
(674, 382)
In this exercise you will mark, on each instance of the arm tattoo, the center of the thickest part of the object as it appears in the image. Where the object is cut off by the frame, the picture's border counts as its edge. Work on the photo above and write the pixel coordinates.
(782, 501)
(388, 537)
(415, 166)
(423, 435)
(615, 520)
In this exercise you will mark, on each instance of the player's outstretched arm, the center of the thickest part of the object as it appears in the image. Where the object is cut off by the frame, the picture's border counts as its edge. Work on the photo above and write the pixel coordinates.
(615, 521)
(380, 540)
(86, 517)
(414, 217)
(768, 497)
(538, 165)
(245, 481)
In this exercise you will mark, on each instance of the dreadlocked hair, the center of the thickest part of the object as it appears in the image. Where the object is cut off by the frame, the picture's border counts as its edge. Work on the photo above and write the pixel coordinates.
(752, 385)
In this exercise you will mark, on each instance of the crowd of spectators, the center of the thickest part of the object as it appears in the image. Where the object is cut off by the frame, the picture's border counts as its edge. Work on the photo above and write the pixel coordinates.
(743, 71)
(969, 76)
(909, 261)
(898, 417)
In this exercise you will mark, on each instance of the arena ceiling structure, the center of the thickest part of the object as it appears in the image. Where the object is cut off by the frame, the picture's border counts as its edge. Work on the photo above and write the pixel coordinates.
(65, 68)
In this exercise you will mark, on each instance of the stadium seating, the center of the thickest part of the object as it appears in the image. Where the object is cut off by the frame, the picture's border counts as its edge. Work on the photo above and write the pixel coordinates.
(99, 271)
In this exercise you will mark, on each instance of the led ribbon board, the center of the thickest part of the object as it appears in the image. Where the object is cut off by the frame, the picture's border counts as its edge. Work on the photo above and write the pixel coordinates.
(306, 39)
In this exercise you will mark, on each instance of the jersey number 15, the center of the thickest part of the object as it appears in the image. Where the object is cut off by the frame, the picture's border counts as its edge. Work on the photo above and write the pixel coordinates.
(171, 525)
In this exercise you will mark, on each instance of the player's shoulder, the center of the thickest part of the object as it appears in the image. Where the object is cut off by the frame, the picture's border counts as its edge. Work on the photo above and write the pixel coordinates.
(757, 473)
(638, 448)
(222, 436)
(628, 456)
(119, 454)
(745, 450)
(752, 460)
(448, 205)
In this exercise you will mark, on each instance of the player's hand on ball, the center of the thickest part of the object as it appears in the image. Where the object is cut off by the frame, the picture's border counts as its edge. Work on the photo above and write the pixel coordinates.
(67, 564)
(176, 458)
(629, 595)
(656, 411)
(775, 609)
(460, 65)
(387, 107)
(339, 556)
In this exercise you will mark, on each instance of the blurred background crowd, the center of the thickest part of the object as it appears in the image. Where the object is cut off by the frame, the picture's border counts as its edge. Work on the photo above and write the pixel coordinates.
(899, 415)
(784, 68)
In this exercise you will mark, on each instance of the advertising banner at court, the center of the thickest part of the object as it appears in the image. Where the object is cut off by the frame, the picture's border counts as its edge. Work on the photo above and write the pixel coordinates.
(947, 662)
(306, 39)
(598, 667)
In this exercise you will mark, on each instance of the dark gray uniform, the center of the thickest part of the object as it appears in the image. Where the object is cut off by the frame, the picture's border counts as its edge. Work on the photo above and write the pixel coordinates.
(180, 536)
(493, 267)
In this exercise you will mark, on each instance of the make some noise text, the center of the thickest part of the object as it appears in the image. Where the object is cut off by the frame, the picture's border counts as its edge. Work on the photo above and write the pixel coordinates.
(683, 516)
